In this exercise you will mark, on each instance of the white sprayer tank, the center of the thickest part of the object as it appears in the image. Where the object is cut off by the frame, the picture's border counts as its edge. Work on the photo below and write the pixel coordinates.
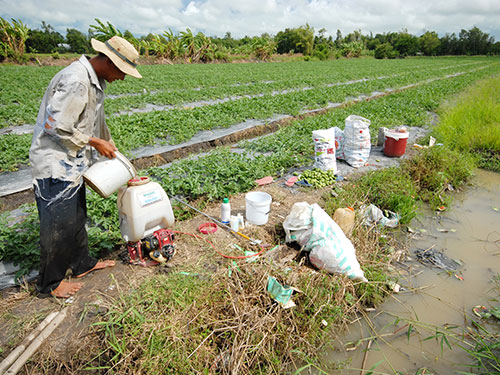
(144, 207)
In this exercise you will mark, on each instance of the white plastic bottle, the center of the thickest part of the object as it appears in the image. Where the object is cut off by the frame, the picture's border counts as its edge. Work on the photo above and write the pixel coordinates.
(225, 211)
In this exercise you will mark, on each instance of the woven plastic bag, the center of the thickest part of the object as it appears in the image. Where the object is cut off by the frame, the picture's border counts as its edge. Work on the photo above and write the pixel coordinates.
(328, 246)
(357, 142)
(339, 143)
(324, 149)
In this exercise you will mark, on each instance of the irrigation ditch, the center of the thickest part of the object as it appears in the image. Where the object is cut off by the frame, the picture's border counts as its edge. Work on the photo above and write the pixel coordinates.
(432, 320)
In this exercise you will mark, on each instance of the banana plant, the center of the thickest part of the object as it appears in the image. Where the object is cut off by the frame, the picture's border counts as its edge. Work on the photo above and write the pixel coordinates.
(174, 45)
(188, 42)
(102, 31)
(263, 48)
(12, 39)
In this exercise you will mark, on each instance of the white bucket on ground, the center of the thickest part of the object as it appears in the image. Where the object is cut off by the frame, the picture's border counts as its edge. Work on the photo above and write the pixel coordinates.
(106, 175)
(258, 205)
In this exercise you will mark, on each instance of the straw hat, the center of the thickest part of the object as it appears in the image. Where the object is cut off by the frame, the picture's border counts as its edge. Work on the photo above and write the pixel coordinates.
(121, 52)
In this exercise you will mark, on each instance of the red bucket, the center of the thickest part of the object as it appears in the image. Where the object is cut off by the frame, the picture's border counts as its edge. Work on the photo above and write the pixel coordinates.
(395, 143)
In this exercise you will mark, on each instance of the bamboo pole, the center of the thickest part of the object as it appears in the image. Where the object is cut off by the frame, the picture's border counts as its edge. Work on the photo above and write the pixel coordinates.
(32, 348)
(4, 365)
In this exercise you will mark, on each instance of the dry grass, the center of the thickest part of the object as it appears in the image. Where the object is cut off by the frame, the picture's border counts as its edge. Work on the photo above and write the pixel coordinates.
(210, 320)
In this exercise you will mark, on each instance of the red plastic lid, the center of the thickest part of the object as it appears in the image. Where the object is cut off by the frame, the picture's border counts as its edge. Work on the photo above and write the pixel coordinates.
(138, 181)
(207, 228)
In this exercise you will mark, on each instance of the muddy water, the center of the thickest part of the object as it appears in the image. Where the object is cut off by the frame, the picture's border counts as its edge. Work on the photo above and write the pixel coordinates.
(469, 232)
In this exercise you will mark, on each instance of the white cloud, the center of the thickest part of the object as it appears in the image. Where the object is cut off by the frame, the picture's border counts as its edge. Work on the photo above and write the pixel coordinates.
(254, 17)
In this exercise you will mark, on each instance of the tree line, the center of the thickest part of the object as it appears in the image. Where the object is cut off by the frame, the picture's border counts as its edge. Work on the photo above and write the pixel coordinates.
(17, 40)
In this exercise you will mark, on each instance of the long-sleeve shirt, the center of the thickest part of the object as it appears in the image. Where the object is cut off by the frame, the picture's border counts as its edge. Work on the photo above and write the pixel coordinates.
(70, 114)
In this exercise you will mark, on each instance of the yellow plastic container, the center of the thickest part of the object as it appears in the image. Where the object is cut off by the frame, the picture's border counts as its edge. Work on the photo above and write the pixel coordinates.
(344, 217)
(143, 208)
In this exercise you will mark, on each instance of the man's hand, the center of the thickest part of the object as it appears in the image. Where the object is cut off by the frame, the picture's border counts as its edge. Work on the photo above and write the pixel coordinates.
(105, 148)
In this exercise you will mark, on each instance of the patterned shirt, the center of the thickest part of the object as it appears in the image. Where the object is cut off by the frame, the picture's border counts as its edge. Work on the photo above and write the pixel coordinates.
(70, 114)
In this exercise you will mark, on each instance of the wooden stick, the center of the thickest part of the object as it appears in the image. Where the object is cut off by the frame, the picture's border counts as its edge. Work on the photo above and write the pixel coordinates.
(17, 351)
(365, 357)
(30, 350)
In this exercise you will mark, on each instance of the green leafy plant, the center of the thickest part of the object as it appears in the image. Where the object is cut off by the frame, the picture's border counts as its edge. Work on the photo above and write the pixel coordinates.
(12, 39)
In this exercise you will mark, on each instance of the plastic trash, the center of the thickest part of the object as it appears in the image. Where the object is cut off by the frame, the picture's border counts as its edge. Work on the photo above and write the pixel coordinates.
(264, 180)
(291, 181)
(344, 217)
(436, 259)
(241, 221)
(280, 293)
(303, 183)
(381, 136)
(432, 142)
(339, 143)
(318, 233)
(234, 223)
(372, 215)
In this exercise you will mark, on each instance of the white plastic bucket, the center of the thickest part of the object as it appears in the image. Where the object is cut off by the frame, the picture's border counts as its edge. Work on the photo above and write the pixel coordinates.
(258, 205)
(106, 175)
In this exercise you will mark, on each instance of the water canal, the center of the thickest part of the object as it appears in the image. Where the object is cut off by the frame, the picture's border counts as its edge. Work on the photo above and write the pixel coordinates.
(421, 329)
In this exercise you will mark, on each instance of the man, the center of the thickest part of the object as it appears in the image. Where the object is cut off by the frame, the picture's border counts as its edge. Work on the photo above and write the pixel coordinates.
(70, 128)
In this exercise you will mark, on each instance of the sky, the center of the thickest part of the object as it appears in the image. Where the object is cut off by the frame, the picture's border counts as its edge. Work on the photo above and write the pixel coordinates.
(255, 17)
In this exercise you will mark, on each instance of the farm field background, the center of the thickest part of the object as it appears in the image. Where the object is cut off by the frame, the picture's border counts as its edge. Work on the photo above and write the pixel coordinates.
(174, 102)
(218, 96)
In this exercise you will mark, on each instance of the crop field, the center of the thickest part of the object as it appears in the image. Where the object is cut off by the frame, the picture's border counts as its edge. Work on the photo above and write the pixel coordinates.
(191, 98)
(173, 103)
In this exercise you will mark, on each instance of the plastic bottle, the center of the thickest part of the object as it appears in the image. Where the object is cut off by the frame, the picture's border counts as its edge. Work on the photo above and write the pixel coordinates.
(225, 211)
(241, 222)
(234, 223)
(344, 217)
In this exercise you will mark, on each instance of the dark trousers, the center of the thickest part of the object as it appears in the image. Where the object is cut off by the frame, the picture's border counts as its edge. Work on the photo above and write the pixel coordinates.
(63, 237)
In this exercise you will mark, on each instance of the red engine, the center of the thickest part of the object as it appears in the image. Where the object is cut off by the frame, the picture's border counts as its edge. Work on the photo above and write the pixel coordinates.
(153, 249)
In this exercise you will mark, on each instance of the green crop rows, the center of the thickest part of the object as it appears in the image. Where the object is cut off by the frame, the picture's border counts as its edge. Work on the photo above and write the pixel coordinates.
(244, 91)
(222, 172)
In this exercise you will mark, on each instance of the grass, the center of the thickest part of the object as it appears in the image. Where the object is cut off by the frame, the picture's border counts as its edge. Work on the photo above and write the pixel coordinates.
(437, 170)
(389, 189)
(471, 123)
(485, 340)
(200, 321)
(206, 323)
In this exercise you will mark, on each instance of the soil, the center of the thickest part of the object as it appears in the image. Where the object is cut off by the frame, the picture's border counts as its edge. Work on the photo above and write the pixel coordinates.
(22, 311)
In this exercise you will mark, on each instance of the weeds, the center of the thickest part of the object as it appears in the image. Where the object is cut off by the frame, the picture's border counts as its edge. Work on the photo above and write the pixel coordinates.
(389, 189)
(426, 177)
(471, 123)
(436, 170)
(229, 324)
